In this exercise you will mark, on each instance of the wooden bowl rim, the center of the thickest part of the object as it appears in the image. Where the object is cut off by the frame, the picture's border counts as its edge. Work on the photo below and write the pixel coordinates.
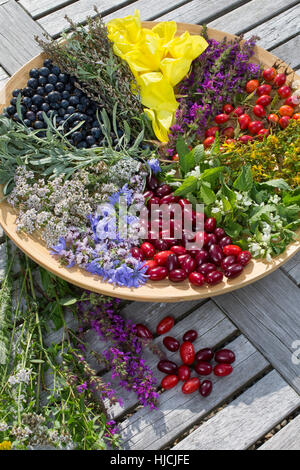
(162, 291)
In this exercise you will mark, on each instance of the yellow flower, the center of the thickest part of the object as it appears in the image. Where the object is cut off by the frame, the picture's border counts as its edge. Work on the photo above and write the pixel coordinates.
(5, 445)
(159, 60)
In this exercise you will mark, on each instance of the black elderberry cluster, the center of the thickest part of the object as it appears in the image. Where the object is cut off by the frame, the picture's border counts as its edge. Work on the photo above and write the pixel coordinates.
(50, 91)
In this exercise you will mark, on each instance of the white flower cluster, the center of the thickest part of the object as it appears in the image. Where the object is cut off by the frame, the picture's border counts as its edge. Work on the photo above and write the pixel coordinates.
(218, 207)
(22, 376)
(243, 200)
(195, 172)
(3, 426)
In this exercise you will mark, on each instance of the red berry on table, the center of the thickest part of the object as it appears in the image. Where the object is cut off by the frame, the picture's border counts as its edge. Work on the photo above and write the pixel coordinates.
(211, 131)
(221, 118)
(187, 353)
(165, 325)
(269, 74)
(210, 224)
(169, 381)
(190, 385)
(206, 388)
(280, 79)
(233, 270)
(259, 110)
(263, 133)
(163, 190)
(251, 86)
(245, 139)
(244, 120)
(234, 250)
(208, 141)
(264, 100)
(153, 200)
(286, 110)
(284, 91)
(238, 111)
(244, 257)
(137, 253)
(206, 268)
(189, 265)
(178, 250)
(162, 256)
(273, 118)
(184, 373)
(222, 370)
(143, 332)
(151, 264)
(177, 275)
(203, 368)
(172, 262)
(292, 101)
(264, 90)
(158, 273)
(216, 254)
(228, 131)
(204, 355)
(190, 335)
(148, 249)
(225, 356)
(214, 278)
(172, 344)
(284, 121)
(228, 261)
(197, 279)
(225, 241)
(255, 126)
(167, 367)
(227, 108)
(160, 245)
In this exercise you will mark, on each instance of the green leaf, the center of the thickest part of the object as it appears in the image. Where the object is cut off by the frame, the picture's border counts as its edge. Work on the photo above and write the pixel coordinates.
(181, 147)
(187, 163)
(207, 195)
(188, 186)
(244, 181)
(228, 193)
(199, 153)
(212, 174)
(66, 302)
(227, 207)
(37, 361)
(278, 183)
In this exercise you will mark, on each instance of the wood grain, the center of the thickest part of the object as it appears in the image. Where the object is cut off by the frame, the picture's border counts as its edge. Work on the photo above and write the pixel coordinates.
(17, 31)
(288, 438)
(178, 412)
(3, 77)
(38, 8)
(246, 419)
(289, 52)
(267, 312)
(292, 268)
(151, 291)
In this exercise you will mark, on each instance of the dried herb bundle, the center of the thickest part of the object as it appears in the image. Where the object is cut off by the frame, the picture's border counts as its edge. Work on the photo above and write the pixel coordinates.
(87, 54)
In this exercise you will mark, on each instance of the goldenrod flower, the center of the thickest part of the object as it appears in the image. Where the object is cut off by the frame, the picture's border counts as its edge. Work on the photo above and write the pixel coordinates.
(158, 60)
(5, 445)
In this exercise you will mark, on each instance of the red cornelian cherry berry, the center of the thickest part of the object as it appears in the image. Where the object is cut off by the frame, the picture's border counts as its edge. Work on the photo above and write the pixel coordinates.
(284, 91)
(263, 90)
(234, 250)
(208, 141)
(264, 100)
(177, 275)
(203, 368)
(172, 262)
(187, 353)
(269, 74)
(206, 388)
(167, 367)
(148, 249)
(221, 118)
(190, 385)
(137, 253)
(151, 264)
(214, 278)
(225, 241)
(178, 250)
(211, 131)
(190, 335)
(273, 118)
(158, 273)
(225, 356)
(206, 268)
(204, 355)
(169, 381)
(165, 325)
(244, 257)
(228, 261)
(143, 332)
(259, 110)
(184, 373)
(162, 256)
(255, 126)
(222, 370)
(244, 121)
(233, 270)
(227, 108)
(163, 190)
(251, 86)
(284, 121)
(210, 224)
(216, 254)
(172, 344)
(197, 279)
(280, 79)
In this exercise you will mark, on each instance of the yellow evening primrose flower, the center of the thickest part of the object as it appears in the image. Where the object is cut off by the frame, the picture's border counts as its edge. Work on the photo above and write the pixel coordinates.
(159, 60)
(5, 445)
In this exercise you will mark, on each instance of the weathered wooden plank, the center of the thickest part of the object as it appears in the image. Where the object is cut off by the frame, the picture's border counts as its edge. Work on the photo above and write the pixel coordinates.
(267, 312)
(38, 8)
(251, 15)
(247, 418)
(17, 31)
(55, 23)
(286, 439)
(277, 30)
(292, 267)
(177, 412)
(200, 11)
(213, 328)
(3, 77)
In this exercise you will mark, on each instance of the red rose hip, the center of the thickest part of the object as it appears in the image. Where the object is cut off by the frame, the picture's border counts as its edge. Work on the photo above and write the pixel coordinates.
(187, 353)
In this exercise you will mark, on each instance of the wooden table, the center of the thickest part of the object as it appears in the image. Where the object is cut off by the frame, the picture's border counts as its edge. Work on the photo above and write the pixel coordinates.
(257, 406)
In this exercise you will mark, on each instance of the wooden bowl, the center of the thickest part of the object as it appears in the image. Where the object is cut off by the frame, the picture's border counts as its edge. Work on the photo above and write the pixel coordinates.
(162, 291)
